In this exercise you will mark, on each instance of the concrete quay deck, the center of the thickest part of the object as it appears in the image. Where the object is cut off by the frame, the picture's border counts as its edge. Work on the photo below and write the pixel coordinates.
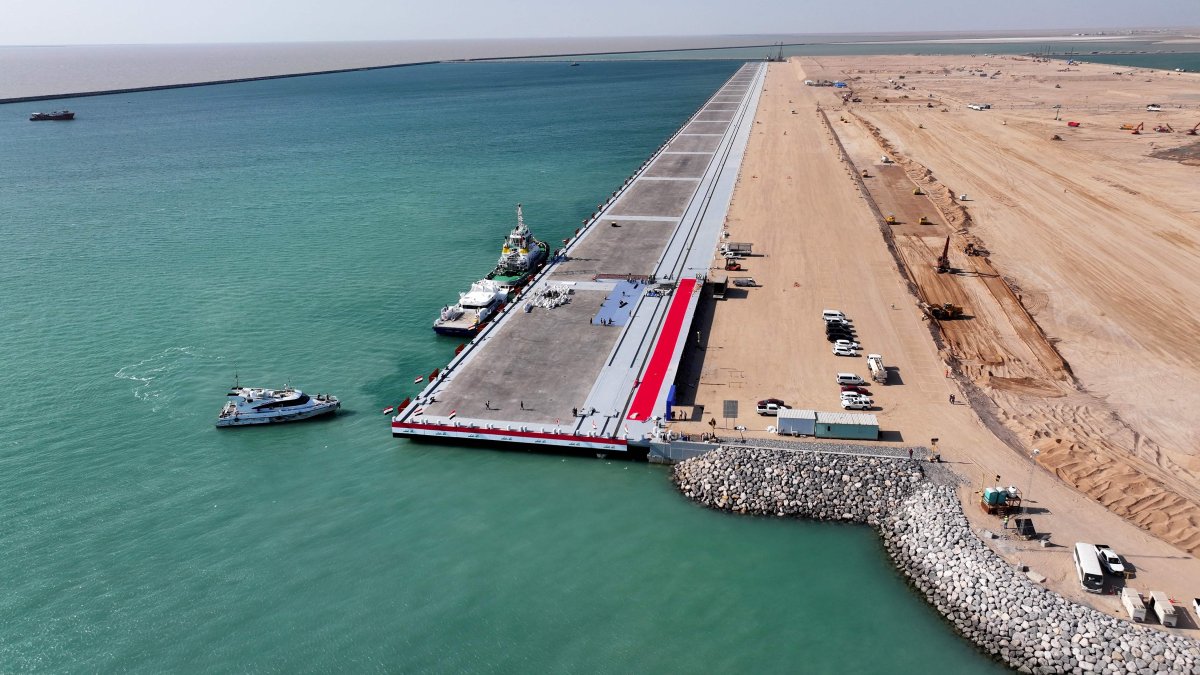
(592, 374)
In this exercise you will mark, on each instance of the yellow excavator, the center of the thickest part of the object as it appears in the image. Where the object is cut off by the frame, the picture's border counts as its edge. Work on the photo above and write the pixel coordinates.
(945, 311)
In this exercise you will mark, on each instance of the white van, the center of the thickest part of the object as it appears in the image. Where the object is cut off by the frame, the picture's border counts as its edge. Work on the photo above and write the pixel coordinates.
(1087, 567)
(851, 378)
(831, 314)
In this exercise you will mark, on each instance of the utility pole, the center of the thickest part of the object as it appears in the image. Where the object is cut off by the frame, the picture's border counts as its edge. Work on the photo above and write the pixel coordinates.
(1033, 455)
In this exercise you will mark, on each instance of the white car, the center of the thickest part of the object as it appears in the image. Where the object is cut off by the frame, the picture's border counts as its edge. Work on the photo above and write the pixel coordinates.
(843, 351)
(854, 396)
(1110, 560)
(839, 322)
(848, 344)
(859, 404)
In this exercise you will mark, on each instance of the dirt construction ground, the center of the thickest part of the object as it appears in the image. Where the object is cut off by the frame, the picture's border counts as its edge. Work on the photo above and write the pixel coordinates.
(1076, 346)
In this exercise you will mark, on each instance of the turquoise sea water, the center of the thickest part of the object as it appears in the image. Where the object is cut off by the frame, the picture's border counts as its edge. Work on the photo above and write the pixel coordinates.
(307, 230)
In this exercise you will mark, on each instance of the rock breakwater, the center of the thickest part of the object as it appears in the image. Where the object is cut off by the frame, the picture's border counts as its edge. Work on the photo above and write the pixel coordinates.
(928, 537)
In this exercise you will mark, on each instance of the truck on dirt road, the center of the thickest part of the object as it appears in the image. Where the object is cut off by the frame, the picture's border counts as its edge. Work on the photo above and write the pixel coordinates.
(878, 371)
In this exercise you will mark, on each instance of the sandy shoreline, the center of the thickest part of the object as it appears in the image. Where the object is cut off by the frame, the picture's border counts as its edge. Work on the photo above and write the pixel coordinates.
(1067, 353)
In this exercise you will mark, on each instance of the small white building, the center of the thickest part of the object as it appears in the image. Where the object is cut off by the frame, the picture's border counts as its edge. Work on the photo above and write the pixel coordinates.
(797, 422)
(1132, 599)
(1161, 604)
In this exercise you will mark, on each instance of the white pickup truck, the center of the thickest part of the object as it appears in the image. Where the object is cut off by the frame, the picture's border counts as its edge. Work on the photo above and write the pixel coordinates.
(1110, 560)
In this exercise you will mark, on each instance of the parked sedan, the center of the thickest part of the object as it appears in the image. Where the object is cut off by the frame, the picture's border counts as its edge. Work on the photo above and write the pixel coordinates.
(856, 389)
(840, 334)
(843, 351)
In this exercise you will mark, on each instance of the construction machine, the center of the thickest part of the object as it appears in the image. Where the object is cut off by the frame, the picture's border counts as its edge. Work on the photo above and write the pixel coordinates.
(973, 249)
(1138, 129)
(1128, 126)
(1164, 128)
(1056, 137)
(891, 217)
(944, 312)
(866, 174)
(1194, 130)
(943, 261)
(923, 221)
(918, 191)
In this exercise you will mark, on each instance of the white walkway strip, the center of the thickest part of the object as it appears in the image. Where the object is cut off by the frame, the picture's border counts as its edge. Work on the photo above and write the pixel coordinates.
(656, 219)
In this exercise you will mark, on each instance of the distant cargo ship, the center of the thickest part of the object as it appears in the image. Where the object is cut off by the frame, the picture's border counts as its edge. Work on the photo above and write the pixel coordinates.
(56, 116)
(521, 257)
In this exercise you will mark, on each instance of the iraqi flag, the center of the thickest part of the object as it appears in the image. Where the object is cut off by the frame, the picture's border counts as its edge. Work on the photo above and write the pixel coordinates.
(388, 410)
(452, 414)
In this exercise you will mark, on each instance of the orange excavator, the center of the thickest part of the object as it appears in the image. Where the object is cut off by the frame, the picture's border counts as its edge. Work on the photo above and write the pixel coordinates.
(1138, 129)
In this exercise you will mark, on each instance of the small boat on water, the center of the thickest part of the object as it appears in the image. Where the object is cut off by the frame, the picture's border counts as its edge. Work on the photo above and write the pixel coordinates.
(521, 256)
(474, 309)
(256, 405)
(56, 116)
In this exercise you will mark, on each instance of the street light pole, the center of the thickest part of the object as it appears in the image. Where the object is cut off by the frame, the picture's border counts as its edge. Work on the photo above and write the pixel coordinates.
(1033, 455)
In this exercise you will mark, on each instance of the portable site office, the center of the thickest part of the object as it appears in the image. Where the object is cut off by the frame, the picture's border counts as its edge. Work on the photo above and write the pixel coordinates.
(1163, 608)
(1132, 599)
(855, 426)
(797, 422)
(852, 426)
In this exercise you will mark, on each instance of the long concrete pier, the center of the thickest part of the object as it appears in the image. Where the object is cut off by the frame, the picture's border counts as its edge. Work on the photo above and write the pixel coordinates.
(596, 373)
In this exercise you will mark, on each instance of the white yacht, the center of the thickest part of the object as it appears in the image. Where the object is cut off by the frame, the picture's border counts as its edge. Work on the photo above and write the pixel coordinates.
(474, 309)
(255, 405)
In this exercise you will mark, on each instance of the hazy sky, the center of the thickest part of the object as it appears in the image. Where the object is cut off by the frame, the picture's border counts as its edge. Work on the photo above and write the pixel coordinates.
(26, 22)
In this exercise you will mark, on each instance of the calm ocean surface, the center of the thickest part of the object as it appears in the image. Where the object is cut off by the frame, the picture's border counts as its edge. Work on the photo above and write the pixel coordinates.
(307, 230)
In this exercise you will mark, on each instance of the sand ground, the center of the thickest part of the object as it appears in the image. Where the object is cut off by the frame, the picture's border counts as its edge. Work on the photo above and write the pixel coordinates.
(1080, 319)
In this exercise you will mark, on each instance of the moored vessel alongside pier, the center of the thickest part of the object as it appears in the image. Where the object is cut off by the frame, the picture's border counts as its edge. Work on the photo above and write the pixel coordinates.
(473, 310)
(521, 257)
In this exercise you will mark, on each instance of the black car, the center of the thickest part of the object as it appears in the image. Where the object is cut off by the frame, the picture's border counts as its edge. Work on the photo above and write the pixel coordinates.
(834, 337)
(839, 331)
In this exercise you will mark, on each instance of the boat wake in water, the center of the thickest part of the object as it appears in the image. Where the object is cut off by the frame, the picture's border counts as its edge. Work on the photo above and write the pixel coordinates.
(154, 376)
